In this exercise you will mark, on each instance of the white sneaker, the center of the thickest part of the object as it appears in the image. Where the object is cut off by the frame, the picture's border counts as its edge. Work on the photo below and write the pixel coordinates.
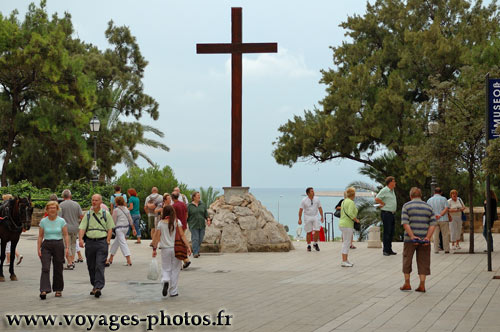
(346, 264)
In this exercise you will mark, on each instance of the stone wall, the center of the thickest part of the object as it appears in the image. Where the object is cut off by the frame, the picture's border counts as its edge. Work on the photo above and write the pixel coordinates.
(478, 221)
(36, 217)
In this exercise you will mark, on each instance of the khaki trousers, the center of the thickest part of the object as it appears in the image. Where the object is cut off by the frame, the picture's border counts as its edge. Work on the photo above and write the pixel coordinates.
(73, 237)
(444, 228)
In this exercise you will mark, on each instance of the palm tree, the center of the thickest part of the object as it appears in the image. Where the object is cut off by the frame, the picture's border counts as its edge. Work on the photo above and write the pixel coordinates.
(131, 153)
(118, 140)
(209, 195)
(367, 214)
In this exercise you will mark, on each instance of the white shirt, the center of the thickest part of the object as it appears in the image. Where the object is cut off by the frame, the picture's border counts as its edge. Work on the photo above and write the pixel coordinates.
(122, 217)
(167, 240)
(310, 207)
(183, 199)
(455, 205)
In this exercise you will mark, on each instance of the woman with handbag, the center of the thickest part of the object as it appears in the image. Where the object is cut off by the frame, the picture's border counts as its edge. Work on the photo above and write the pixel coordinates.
(123, 220)
(348, 218)
(455, 210)
(337, 214)
(169, 236)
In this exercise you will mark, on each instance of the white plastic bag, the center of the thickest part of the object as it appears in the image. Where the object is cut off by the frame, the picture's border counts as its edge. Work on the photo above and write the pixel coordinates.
(154, 270)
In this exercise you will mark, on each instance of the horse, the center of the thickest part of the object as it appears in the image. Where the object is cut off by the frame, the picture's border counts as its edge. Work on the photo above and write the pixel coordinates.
(15, 217)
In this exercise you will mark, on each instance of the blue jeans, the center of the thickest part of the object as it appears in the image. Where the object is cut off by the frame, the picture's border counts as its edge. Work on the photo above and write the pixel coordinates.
(196, 239)
(136, 218)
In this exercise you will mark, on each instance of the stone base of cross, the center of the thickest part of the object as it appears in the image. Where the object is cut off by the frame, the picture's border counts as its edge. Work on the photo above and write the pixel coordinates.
(234, 191)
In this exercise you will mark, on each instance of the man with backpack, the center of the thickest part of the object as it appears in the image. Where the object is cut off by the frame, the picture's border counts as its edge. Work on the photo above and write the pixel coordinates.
(150, 205)
(118, 193)
(182, 197)
(96, 226)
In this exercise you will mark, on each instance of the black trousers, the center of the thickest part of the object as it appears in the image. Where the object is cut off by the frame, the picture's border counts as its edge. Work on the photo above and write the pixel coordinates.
(96, 253)
(52, 251)
(388, 221)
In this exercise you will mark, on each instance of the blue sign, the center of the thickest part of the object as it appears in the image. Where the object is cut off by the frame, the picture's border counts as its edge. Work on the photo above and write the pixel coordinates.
(493, 107)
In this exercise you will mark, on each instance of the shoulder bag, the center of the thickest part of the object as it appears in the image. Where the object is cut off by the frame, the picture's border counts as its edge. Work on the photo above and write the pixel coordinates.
(464, 217)
(179, 246)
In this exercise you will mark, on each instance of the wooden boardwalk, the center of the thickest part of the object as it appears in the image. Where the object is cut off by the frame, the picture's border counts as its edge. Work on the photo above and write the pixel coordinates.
(295, 291)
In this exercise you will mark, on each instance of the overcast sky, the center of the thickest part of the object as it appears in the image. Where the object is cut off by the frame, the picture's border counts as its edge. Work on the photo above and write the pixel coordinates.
(194, 90)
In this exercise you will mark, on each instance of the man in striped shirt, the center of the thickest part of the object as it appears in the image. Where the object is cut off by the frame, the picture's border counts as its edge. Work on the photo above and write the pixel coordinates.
(419, 222)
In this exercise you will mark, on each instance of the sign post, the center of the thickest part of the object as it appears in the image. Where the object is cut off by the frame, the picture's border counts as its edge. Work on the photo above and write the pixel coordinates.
(492, 122)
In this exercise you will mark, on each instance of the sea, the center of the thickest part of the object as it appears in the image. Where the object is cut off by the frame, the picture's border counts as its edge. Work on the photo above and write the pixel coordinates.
(284, 204)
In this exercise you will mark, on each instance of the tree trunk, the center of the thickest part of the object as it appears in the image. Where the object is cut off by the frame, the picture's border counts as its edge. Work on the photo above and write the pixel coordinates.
(8, 155)
(471, 209)
(10, 139)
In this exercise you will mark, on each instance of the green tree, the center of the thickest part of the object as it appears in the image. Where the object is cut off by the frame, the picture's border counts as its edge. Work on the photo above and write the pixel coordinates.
(459, 144)
(51, 149)
(35, 65)
(51, 84)
(142, 180)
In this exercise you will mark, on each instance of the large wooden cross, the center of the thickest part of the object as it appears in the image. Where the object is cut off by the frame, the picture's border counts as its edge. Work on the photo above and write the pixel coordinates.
(236, 48)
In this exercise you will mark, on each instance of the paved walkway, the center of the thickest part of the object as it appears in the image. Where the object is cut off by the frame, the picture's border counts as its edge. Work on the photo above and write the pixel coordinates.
(295, 291)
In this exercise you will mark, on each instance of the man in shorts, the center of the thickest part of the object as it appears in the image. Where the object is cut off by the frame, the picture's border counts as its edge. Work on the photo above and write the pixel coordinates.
(418, 220)
(150, 205)
(311, 206)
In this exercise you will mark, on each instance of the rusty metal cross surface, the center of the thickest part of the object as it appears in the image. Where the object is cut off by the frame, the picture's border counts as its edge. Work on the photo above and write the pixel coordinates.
(236, 48)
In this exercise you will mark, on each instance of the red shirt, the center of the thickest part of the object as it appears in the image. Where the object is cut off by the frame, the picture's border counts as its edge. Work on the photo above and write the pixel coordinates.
(181, 212)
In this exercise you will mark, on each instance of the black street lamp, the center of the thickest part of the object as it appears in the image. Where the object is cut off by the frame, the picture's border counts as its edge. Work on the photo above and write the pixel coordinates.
(432, 127)
(95, 125)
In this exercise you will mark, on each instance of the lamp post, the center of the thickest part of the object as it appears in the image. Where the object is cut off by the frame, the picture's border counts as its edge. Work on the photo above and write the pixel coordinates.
(95, 125)
(279, 208)
(432, 127)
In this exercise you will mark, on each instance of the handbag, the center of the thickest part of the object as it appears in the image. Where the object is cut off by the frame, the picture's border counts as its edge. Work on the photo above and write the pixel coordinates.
(337, 213)
(179, 246)
(464, 217)
(357, 225)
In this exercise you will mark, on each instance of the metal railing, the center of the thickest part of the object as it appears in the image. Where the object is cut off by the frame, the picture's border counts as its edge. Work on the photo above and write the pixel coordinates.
(329, 226)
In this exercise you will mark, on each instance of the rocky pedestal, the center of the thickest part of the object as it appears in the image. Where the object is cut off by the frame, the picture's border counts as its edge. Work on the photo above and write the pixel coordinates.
(242, 224)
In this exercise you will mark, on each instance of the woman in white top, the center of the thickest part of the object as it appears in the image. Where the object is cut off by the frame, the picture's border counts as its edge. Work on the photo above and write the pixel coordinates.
(165, 240)
(122, 219)
(167, 200)
(456, 206)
